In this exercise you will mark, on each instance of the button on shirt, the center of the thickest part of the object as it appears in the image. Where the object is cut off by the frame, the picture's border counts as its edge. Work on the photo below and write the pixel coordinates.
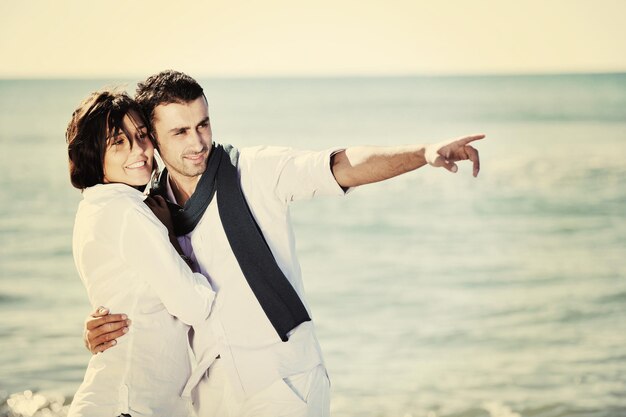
(126, 262)
(238, 329)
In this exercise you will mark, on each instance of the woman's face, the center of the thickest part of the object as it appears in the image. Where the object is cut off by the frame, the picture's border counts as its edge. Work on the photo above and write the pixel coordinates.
(127, 159)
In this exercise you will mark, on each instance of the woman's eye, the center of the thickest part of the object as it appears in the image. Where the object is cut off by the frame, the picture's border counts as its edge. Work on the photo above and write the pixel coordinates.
(119, 141)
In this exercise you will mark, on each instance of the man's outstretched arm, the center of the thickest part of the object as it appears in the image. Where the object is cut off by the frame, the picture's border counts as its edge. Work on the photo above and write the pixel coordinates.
(364, 165)
(102, 329)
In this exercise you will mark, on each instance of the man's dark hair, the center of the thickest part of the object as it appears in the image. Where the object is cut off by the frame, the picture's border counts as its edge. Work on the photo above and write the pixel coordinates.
(166, 87)
(99, 117)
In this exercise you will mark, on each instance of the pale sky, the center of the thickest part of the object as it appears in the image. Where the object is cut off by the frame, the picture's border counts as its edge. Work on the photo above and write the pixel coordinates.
(231, 38)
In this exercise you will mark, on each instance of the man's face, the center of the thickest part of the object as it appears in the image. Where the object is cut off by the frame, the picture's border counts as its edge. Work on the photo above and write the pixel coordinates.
(183, 133)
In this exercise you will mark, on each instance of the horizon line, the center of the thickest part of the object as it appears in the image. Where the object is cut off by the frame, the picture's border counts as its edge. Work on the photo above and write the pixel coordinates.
(315, 76)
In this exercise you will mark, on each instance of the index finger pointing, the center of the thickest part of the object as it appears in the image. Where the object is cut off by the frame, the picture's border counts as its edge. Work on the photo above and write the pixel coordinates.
(468, 139)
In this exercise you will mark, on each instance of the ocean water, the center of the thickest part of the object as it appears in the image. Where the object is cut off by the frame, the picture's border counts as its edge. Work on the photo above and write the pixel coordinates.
(435, 294)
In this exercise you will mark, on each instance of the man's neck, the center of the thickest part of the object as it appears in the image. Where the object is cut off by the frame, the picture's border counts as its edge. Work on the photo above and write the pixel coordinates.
(183, 187)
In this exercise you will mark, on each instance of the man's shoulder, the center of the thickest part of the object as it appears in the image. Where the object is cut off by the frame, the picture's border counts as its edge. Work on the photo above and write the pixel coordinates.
(263, 160)
(265, 152)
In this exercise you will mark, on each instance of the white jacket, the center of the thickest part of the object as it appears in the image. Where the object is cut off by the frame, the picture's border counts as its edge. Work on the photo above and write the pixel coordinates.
(238, 330)
(124, 258)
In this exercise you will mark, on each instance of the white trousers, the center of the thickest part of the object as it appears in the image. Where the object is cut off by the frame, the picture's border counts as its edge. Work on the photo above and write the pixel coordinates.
(301, 395)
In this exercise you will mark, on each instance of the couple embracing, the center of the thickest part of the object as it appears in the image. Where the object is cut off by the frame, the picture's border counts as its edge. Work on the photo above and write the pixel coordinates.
(197, 264)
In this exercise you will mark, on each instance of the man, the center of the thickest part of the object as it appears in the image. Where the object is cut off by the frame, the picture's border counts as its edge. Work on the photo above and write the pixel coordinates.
(258, 353)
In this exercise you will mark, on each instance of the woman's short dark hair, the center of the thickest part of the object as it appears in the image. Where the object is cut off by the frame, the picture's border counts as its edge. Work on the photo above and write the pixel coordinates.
(97, 118)
(166, 87)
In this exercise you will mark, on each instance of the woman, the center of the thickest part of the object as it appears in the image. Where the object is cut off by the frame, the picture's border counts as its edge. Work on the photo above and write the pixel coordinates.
(124, 257)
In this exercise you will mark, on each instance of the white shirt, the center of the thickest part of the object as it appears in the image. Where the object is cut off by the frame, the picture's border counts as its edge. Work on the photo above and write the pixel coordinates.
(124, 258)
(238, 329)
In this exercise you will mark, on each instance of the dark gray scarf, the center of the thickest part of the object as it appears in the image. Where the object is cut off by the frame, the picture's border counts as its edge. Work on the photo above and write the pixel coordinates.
(274, 292)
